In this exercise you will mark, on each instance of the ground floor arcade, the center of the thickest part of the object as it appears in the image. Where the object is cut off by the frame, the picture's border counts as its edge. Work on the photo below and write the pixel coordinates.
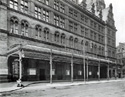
(38, 64)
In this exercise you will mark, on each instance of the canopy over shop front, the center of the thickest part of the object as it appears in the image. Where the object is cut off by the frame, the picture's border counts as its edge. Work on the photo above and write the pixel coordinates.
(42, 53)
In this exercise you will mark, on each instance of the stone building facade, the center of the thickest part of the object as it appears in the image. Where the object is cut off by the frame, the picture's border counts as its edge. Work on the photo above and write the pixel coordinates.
(56, 40)
(121, 59)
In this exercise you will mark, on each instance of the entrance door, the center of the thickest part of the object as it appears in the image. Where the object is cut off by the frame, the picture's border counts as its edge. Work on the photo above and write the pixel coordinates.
(42, 74)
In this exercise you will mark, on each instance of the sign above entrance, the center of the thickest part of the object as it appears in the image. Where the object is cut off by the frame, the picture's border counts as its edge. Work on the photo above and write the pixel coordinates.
(32, 71)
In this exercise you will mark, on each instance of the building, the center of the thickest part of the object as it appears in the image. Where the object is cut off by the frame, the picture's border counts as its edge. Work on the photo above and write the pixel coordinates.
(121, 59)
(56, 40)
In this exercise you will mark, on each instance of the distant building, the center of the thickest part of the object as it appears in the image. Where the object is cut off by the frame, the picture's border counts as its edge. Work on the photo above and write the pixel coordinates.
(57, 40)
(121, 58)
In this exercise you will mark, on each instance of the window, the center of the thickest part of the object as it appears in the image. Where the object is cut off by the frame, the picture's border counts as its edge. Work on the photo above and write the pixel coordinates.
(75, 27)
(14, 25)
(46, 2)
(46, 33)
(14, 4)
(38, 29)
(63, 38)
(59, 21)
(75, 14)
(82, 18)
(91, 35)
(45, 15)
(95, 36)
(86, 32)
(70, 26)
(24, 28)
(56, 20)
(82, 31)
(76, 43)
(71, 41)
(24, 6)
(57, 34)
(37, 12)
(56, 4)
(62, 8)
(71, 12)
(62, 22)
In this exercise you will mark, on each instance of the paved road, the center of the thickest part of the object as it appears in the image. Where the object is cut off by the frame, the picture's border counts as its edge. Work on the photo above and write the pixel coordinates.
(112, 89)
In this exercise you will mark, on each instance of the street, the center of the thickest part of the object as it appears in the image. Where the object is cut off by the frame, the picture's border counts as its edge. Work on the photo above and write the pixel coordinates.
(111, 89)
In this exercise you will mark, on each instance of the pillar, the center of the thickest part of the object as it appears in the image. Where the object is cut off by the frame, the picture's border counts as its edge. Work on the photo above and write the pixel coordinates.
(108, 71)
(99, 71)
(87, 69)
(84, 68)
(51, 66)
(20, 65)
(72, 68)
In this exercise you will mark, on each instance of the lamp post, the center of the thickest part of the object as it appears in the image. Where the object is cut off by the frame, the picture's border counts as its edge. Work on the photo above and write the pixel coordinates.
(19, 81)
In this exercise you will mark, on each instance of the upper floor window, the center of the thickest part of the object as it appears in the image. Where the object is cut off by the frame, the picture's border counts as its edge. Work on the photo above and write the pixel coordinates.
(24, 28)
(57, 34)
(37, 12)
(76, 43)
(86, 32)
(72, 13)
(62, 8)
(56, 4)
(46, 2)
(73, 27)
(63, 38)
(13, 4)
(71, 41)
(45, 15)
(62, 22)
(46, 33)
(56, 20)
(14, 23)
(24, 6)
(82, 30)
(38, 29)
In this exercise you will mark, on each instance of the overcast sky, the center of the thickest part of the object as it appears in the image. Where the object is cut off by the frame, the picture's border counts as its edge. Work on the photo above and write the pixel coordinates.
(119, 16)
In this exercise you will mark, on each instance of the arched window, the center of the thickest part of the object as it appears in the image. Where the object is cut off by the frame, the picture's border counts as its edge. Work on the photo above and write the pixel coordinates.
(14, 25)
(63, 37)
(71, 41)
(99, 49)
(103, 51)
(76, 43)
(24, 28)
(56, 35)
(95, 49)
(46, 33)
(38, 29)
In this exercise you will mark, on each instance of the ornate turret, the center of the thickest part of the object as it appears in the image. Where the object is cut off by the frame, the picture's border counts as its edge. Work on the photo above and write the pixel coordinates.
(83, 3)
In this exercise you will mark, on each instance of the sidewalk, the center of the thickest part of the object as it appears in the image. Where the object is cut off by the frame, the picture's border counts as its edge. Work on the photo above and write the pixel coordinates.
(12, 86)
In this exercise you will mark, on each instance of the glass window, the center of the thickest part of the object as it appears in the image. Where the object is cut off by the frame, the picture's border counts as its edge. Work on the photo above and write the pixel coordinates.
(38, 29)
(24, 6)
(13, 4)
(24, 28)
(37, 12)
(14, 25)
(46, 33)
(56, 4)
(45, 15)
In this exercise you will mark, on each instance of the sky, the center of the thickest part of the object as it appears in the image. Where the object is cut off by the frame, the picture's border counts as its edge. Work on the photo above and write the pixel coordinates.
(119, 17)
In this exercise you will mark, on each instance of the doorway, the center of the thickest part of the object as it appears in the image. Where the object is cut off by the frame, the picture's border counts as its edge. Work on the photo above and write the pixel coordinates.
(42, 74)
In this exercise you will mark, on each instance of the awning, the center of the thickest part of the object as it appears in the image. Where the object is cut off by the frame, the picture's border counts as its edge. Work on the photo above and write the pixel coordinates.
(36, 52)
